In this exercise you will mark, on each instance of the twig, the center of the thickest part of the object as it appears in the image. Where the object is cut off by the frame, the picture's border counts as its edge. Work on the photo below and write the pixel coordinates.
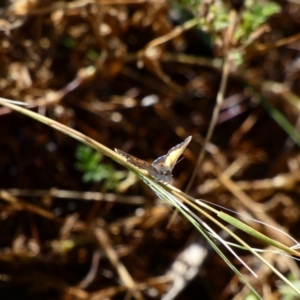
(220, 96)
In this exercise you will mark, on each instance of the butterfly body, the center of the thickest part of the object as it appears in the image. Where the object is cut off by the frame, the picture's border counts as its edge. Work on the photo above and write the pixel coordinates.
(161, 168)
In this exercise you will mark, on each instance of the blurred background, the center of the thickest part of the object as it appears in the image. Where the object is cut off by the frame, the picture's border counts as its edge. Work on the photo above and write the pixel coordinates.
(141, 76)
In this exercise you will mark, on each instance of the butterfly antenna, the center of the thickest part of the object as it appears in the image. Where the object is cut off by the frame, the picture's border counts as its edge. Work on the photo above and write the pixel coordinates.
(182, 158)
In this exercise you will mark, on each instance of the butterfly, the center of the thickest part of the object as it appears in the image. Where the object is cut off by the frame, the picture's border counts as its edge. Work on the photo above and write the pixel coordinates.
(161, 168)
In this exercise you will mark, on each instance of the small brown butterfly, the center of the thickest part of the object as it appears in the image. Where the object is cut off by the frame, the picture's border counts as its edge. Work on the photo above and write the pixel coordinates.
(161, 168)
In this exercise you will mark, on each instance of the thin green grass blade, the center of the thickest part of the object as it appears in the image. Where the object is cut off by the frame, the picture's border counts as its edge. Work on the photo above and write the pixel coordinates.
(165, 195)
(242, 226)
(282, 121)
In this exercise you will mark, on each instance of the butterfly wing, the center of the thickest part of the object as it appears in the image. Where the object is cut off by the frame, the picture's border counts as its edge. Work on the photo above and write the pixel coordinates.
(168, 161)
(161, 168)
(157, 175)
(136, 161)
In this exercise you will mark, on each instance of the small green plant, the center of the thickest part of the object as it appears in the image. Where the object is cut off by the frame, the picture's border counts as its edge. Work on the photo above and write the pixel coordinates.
(69, 42)
(89, 162)
(255, 14)
(287, 293)
(251, 296)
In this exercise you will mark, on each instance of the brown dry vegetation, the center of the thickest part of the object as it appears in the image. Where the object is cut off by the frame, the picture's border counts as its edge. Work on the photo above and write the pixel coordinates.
(99, 67)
